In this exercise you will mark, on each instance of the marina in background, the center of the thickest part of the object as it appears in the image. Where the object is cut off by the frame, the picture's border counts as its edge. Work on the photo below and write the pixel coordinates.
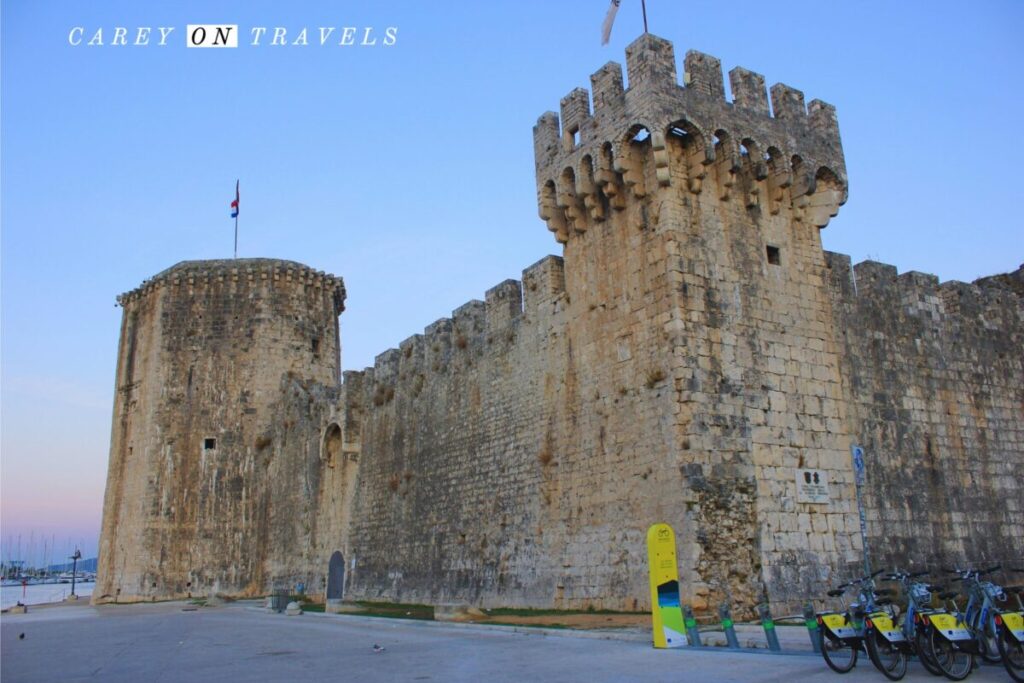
(42, 593)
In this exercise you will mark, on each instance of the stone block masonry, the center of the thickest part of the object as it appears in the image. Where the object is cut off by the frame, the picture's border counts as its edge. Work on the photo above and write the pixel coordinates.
(935, 388)
(691, 352)
(202, 495)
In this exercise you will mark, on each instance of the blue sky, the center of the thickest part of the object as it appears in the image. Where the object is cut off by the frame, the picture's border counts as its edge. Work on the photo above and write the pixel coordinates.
(408, 170)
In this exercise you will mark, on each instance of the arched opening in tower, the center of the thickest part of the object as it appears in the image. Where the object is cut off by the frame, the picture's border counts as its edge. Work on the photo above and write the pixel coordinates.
(330, 451)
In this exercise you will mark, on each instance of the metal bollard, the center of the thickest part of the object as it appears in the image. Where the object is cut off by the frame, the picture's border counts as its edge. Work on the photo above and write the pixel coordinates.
(769, 628)
(279, 599)
(811, 620)
(725, 613)
(691, 627)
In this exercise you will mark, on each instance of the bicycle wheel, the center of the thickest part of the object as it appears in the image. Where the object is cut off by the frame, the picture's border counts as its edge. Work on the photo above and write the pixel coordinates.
(988, 641)
(956, 665)
(837, 653)
(886, 657)
(1013, 655)
(923, 649)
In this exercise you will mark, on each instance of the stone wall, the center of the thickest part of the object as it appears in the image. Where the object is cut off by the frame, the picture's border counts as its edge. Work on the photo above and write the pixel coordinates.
(934, 380)
(202, 493)
(699, 356)
(689, 355)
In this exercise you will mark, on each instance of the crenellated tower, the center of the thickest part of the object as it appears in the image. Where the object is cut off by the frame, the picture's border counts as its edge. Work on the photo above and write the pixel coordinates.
(692, 258)
(636, 142)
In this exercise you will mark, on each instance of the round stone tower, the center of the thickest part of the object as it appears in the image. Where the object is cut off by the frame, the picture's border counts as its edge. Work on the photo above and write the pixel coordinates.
(205, 349)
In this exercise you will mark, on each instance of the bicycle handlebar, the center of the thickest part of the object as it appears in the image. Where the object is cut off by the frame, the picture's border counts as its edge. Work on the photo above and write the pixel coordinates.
(990, 569)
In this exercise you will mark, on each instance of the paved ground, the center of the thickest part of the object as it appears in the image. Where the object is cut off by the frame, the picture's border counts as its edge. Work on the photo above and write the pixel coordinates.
(164, 643)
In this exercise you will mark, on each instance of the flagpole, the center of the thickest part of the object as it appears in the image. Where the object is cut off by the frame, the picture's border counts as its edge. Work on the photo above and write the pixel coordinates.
(238, 210)
(643, 6)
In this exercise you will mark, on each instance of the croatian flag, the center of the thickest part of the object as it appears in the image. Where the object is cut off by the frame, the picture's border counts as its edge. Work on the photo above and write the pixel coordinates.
(234, 204)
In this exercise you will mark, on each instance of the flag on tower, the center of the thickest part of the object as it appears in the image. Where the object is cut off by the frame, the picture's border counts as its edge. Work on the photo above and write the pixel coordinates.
(609, 19)
(234, 204)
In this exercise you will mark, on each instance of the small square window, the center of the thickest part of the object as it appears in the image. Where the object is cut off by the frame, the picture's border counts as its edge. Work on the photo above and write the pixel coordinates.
(209, 444)
(774, 256)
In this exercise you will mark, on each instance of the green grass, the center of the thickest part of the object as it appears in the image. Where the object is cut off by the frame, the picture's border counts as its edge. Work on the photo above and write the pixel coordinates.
(396, 610)
(403, 610)
(545, 625)
(526, 612)
(369, 604)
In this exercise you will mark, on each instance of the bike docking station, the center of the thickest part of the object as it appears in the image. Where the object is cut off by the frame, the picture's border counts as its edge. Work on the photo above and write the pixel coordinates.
(674, 625)
(928, 626)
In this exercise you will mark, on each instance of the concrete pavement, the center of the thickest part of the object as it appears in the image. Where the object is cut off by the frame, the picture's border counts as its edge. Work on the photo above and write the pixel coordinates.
(165, 643)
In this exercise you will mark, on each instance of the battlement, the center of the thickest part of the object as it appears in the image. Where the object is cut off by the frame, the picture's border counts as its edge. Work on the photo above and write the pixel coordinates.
(276, 272)
(476, 323)
(591, 159)
(919, 294)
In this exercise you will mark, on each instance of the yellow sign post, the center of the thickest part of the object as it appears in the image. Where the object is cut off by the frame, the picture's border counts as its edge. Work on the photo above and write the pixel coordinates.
(666, 612)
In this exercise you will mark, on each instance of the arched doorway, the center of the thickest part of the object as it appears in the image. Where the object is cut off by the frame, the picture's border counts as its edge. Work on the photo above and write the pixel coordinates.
(336, 576)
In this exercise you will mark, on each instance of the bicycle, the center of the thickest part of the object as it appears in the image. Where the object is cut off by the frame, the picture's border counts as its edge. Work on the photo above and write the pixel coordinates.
(886, 644)
(951, 643)
(842, 633)
(1010, 636)
(919, 597)
(980, 610)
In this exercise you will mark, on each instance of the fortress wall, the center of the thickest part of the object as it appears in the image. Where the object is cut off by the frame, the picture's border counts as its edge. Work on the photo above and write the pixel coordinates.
(453, 459)
(685, 378)
(759, 395)
(330, 428)
(933, 373)
(517, 456)
(202, 496)
(302, 480)
(693, 352)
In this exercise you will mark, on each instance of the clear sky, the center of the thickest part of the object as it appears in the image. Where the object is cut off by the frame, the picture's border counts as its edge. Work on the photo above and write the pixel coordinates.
(408, 169)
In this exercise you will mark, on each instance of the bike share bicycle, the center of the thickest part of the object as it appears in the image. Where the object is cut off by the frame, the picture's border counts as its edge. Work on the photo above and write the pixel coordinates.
(842, 633)
(957, 637)
(915, 638)
(1010, 633)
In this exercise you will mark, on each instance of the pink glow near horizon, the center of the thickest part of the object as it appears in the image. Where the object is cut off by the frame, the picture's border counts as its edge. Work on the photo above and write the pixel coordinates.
(57, 515)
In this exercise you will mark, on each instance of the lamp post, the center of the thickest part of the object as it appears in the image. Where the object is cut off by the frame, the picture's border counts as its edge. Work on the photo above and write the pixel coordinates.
(74, 569)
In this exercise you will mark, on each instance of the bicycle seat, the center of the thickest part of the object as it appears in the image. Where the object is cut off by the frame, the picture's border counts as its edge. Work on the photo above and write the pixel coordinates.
(835, 592)
(883, 601)
(884, 591)
(935, 588)
(947, 595)
(1014, 589)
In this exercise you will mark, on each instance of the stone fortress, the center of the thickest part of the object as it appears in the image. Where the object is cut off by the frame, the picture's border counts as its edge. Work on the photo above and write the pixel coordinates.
(691, 354)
